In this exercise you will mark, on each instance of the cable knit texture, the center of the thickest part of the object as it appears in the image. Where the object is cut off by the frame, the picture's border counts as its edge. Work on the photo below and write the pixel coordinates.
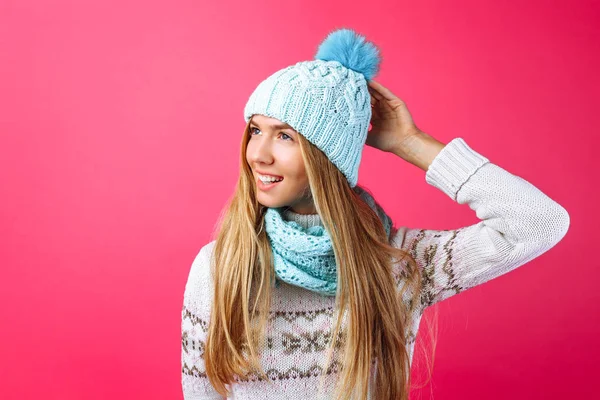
(327, 103)
(517, 223)
(303, 256)
(327, 99)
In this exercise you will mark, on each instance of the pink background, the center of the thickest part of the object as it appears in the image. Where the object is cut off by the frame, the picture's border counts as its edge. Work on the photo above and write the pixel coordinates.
(120, 124)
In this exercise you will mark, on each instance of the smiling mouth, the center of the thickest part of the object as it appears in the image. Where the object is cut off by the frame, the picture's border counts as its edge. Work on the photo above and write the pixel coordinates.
(267, 185)
(270, 181)
(268, 178)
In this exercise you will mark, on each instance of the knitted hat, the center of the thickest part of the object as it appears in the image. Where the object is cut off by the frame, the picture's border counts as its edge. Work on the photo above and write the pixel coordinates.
(326, 100)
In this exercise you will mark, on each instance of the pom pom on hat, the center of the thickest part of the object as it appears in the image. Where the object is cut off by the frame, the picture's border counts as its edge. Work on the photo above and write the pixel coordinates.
(352, 51)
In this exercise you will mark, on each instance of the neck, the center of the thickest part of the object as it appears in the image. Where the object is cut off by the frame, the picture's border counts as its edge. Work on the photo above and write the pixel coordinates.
(304, 220)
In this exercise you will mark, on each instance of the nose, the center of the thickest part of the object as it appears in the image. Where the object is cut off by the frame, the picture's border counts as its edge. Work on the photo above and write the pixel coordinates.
(259, 150)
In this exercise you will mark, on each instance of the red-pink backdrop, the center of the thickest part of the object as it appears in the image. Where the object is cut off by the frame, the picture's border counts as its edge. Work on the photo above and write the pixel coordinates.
(120, 123)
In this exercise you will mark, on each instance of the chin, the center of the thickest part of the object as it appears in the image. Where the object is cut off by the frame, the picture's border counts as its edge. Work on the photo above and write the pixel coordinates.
(267, 202)
(273, 202)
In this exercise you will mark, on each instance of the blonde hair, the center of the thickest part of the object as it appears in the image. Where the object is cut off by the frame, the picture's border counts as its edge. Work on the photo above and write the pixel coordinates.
(378, 317)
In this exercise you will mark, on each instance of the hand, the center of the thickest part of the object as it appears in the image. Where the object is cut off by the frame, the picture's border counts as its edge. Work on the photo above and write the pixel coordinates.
(393, 126)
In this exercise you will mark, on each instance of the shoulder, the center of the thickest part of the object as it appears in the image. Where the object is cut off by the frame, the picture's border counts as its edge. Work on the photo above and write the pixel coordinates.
(202, 260)
(397, 237)
(397, 240)
(199, 283)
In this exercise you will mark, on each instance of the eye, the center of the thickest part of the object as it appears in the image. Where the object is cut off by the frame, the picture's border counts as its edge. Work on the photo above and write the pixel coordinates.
(286, 138)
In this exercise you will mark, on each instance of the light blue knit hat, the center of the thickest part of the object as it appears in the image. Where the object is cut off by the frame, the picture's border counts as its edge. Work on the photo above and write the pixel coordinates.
(326, 99)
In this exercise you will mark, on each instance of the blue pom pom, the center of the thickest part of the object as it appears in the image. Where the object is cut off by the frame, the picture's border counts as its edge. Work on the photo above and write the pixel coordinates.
(352, 51)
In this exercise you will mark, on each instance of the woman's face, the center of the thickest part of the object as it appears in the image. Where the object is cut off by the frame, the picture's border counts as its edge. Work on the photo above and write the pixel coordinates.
(274, 151)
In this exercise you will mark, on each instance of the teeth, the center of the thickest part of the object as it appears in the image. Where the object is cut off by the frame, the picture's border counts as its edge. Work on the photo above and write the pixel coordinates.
(268, 179)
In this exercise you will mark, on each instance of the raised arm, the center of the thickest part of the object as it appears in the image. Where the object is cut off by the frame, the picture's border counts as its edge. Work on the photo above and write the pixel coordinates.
(518, 222)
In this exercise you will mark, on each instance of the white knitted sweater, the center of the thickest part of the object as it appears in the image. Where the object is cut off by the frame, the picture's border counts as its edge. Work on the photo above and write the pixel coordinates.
(518, 223)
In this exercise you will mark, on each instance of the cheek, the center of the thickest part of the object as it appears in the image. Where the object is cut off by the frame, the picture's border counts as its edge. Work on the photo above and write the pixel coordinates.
(295, 168)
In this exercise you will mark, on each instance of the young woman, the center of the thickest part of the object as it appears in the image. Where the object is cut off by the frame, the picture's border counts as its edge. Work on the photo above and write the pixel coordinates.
(308, 290)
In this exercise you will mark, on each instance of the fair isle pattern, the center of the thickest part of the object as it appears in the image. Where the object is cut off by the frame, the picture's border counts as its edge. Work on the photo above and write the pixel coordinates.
(428, 267)
(329, 104)
(290, 344)
(517, 223)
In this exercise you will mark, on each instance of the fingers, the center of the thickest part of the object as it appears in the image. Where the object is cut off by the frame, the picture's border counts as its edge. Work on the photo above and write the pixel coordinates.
(378, 101)
(375, 94)
(382, 91)
(374, 114)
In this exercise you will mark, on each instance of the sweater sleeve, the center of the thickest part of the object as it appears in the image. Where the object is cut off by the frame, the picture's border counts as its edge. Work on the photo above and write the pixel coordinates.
(518, 223)
(194, 325)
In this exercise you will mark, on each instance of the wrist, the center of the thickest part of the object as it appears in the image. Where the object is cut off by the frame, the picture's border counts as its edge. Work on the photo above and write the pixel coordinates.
(419, 149)
(406, 147)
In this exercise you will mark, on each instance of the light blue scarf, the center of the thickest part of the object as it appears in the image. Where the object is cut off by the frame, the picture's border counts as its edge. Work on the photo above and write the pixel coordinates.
(304, 256)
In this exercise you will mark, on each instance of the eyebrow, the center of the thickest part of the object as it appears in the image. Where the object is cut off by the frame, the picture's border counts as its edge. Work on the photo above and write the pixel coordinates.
(276, 126)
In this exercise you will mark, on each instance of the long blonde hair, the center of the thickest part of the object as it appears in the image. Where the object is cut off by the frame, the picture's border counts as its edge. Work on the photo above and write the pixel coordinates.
(378, 317)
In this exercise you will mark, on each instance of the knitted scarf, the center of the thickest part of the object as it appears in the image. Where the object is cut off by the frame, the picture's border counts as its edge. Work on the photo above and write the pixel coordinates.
(304, 256)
